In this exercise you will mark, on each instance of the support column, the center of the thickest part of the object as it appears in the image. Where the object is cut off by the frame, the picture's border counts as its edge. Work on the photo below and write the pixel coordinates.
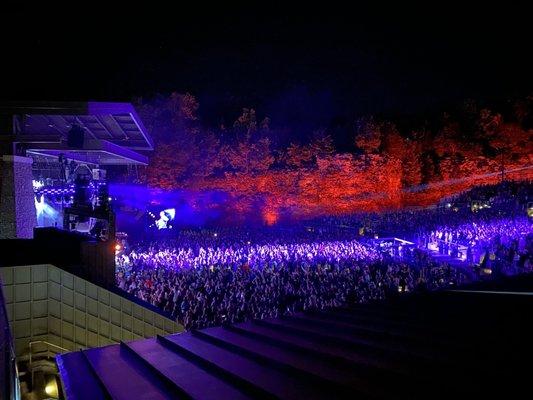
(17, 201)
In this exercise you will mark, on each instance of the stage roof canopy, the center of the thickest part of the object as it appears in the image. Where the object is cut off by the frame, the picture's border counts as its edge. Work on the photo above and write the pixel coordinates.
(113, 131)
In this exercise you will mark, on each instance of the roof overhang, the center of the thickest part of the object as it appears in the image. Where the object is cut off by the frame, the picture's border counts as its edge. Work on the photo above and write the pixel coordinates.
(112, 130)
(95, 152)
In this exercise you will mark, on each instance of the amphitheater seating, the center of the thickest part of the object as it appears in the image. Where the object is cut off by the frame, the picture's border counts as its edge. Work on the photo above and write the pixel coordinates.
(438, 345)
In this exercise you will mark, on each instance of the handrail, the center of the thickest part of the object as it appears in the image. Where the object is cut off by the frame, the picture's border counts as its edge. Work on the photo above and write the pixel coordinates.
(48, 344)
(47, 350)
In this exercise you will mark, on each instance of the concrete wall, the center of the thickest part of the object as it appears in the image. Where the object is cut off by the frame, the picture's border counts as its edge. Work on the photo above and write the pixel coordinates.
(46, 303)
(17, 201)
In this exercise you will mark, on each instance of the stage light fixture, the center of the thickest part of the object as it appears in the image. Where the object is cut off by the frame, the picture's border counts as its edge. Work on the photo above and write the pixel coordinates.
(51, 389)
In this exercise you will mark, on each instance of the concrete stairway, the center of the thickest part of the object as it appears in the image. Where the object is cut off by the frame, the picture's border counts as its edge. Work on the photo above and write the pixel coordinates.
(439, 345)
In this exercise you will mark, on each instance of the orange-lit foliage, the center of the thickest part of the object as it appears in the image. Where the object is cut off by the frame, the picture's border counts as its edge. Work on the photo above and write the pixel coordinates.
(270, 217)
(387, 169)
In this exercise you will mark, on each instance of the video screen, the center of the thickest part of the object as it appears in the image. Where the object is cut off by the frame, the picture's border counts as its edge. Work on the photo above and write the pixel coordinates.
(162, 219)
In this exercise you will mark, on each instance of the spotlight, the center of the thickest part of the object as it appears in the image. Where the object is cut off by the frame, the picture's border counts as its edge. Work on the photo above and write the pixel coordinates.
(39, 205)
(37, 184)
(51, 389)
(118, 247)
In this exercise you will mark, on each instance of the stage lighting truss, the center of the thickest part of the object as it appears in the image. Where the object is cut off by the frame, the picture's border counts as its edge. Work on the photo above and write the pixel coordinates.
(65, 193)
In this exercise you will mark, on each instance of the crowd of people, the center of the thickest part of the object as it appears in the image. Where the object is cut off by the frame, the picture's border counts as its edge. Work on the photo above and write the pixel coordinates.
(249, 256)
(503, 243)
(503, 200)
(207, 277)
(207, 296)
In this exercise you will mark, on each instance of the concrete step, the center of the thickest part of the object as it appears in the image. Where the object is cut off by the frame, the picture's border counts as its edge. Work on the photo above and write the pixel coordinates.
(79, 379)
(125, 377)
(250, 376)
(193, 380)
(295, 362)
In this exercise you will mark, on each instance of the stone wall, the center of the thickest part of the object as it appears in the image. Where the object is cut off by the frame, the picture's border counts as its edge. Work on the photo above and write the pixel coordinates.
(17, 201)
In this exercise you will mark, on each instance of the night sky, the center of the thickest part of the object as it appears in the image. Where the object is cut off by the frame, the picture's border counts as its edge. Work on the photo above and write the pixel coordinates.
(306, 67)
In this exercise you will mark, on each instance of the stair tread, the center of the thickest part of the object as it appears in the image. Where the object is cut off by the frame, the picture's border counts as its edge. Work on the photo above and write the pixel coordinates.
(194, 380)
(269, 380)
(77, 377)
(301, 362)
(125, 377)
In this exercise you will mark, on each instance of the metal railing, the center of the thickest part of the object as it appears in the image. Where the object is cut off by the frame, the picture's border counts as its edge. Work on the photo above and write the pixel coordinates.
(48, 345)
(46, 353)
(9, 383)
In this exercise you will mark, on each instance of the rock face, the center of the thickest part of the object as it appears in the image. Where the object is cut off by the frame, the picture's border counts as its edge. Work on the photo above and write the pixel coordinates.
(17, 200)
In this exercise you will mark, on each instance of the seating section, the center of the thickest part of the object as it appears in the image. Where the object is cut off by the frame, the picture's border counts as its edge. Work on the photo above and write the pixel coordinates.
(438, 345)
